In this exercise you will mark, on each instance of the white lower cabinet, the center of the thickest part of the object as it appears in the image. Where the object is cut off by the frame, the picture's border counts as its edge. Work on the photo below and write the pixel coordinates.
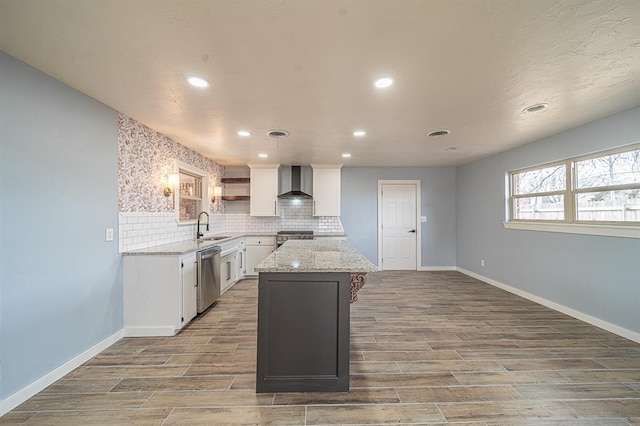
(231, 259)
(189, 282)
(159, 293)
(228, 271)
(258, 248)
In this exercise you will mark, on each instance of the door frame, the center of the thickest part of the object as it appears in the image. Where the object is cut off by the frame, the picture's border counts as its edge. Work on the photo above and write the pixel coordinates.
(418, 223)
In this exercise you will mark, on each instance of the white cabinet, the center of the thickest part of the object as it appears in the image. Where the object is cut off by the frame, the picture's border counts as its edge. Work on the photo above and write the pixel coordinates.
(230, 260)
(263, 190)
(228, 271)
(242, 264)
(189, 283)
(326, 189)
(257, 249)
(159, 293)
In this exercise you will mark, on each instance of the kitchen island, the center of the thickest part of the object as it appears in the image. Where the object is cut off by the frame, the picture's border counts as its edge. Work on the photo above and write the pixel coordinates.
(304, 293)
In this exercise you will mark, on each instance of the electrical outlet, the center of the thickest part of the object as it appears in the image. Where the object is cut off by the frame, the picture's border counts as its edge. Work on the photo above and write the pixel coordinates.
(482, 263)
(108, 234)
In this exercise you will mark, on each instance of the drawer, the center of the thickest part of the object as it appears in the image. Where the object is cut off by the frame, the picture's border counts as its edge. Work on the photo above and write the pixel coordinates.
(230, 246)
(260, 241)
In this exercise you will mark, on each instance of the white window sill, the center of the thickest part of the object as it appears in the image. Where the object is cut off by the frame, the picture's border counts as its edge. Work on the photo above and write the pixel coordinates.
(577, 228)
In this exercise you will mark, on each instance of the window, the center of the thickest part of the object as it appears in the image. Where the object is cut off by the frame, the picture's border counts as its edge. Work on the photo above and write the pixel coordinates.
(189, 196)
(603, 188)
(608, 188)
(539, 194)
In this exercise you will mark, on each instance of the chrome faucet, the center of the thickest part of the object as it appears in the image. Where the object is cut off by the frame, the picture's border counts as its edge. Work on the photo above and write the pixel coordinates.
(198, 233)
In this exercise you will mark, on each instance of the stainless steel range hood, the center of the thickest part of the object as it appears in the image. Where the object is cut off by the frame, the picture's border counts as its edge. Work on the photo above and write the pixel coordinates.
(295, 182)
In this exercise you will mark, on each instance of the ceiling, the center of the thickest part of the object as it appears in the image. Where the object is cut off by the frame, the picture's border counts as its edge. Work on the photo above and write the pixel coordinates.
(308, 67)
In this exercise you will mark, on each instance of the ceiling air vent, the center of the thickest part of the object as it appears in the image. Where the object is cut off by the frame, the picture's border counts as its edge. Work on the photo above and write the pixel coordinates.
(277, 133)
(438, 133)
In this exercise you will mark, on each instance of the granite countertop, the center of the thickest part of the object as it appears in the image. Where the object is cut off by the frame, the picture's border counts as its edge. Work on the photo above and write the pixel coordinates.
(316, 256)
(184, 247)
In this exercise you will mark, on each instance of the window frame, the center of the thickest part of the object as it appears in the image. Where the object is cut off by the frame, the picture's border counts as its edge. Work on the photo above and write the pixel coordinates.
(571, 224)
(184, 168)
(513, 197)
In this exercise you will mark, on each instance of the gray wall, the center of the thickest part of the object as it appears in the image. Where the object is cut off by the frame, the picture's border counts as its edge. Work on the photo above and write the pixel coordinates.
(596, 275)
(61, 283)
(359, 209)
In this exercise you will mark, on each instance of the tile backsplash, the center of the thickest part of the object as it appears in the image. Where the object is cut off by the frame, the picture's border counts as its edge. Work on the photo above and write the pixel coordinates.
(295, 215)
(144, 229)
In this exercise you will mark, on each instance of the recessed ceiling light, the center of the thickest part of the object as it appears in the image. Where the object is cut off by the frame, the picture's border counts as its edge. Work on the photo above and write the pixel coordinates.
(244, 133)
(197, 81)
(263, 155)
(535, 107)
(346, 155)
(359, 133)
(436, 133)
(381, 83)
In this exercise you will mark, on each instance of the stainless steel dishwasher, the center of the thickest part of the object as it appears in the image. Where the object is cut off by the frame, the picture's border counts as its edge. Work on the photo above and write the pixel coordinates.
(208, 277)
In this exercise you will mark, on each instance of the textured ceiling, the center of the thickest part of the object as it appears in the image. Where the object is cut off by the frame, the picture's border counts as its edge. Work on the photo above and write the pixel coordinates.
(308, 67)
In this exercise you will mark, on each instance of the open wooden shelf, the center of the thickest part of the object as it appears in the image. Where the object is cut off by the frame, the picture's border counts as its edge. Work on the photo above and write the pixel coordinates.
(235, 180)
(235, 197)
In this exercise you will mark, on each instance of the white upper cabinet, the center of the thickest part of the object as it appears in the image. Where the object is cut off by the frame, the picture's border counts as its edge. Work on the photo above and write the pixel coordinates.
(326, 189)
(264, 190)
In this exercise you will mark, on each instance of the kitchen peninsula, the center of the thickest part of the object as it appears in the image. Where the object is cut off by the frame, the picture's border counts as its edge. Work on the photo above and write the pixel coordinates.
(304, 293)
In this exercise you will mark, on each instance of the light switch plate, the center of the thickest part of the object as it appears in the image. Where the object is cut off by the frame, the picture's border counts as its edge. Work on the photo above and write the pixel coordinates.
(423, 218)
(108, 234)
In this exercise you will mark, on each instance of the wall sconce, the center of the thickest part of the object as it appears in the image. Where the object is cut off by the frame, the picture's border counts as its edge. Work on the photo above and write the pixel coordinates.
(172, 183)
(217, 193)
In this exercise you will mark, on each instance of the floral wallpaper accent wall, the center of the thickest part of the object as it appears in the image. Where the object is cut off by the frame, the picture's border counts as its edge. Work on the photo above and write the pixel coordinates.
(145, 157)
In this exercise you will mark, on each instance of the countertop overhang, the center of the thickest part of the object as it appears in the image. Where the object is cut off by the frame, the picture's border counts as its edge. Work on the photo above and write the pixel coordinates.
(316, 256)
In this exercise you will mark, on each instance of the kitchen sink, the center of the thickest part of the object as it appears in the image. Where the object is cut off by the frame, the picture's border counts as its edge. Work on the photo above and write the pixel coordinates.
(221, 237)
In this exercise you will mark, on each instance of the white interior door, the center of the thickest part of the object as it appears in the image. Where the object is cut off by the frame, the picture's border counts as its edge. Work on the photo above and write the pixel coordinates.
(398, 226)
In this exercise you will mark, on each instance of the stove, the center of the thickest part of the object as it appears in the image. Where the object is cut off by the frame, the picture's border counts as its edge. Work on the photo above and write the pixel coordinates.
(283, 236)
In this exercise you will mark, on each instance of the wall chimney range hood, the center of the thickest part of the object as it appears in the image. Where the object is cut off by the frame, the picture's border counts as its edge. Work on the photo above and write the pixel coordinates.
(295, 182)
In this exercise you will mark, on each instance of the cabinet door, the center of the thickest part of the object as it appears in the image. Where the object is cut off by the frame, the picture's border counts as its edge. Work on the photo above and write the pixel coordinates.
(326, 190)
(255, 255)
(228, 271)
(189, 290)
(264, 191)
(241, 263)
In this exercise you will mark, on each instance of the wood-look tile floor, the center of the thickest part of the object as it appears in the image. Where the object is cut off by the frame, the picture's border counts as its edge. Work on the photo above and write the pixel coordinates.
(427, 348)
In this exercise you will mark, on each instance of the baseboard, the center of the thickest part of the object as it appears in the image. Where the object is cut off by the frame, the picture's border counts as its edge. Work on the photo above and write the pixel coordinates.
(167, 331)
(28, 391)
(438, 268)
(616, 329)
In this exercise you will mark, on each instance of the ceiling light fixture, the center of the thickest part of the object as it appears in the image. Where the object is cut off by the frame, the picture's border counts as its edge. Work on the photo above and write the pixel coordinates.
(244, 133)
(197, 81)
(359, 133)
(535, 107)
(346, 155)
(262, 155)
(381, 83)
(436, 133)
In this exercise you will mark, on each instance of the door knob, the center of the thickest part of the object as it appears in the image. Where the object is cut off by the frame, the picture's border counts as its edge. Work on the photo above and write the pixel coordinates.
(413, 230)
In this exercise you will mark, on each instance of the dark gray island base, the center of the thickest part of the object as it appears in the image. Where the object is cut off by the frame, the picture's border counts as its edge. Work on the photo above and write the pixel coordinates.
(303, 332)
(304, 293)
